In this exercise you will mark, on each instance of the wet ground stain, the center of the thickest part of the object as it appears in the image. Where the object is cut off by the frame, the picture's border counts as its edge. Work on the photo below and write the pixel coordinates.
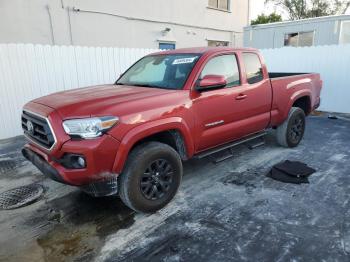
(248, 179)
(80, 225)
(64, 243)
(69, 228)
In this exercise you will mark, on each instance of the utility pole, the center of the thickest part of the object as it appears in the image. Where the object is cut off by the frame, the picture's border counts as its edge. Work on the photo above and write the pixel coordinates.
(248, 13)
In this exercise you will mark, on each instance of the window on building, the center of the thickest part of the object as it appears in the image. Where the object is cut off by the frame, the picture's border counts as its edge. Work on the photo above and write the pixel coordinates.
(306, 39)
(166, 46)
(219, 4)
(345, 33)
(253, 68)
(291, 39)
(225, 65)
(214, 43)
(299, 39)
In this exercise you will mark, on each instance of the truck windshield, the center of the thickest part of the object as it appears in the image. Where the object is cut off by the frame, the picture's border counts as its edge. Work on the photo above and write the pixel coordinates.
(160, 71)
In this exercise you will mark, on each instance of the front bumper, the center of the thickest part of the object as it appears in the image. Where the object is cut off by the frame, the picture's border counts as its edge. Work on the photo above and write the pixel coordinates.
(106, 186)
(97, 178)
(42, 165)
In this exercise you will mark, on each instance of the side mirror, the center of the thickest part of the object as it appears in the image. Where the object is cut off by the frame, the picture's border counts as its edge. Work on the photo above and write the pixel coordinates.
(209, 82)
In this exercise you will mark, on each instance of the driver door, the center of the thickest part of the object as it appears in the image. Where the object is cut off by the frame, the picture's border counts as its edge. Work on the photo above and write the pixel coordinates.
(215, 110)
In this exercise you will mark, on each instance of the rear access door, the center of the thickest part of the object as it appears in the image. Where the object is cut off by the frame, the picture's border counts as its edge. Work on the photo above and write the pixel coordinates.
(237, 110)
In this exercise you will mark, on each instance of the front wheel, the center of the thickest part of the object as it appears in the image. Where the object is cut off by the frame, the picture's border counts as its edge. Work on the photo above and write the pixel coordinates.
(151, 177)
(291, 132)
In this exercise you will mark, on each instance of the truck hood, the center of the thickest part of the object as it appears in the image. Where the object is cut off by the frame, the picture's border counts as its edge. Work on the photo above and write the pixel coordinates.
(96, 100)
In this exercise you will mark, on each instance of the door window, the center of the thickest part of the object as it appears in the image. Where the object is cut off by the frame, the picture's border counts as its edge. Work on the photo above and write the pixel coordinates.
(253, 68)
(225, 65)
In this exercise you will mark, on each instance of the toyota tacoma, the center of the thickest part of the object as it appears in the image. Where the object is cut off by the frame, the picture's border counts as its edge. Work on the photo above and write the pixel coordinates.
(131, 137)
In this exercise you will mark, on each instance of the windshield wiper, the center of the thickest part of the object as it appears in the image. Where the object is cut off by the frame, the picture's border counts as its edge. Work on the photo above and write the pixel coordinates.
(148, 85)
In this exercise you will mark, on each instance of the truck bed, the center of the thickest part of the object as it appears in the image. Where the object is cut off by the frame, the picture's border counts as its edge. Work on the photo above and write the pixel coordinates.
(286, 85)
(284, 74)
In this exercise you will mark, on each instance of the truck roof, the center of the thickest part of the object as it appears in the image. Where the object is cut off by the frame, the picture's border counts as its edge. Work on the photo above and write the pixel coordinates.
(202, 50)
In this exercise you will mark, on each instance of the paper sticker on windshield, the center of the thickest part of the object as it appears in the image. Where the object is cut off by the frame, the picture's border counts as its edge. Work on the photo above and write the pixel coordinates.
(187, 60)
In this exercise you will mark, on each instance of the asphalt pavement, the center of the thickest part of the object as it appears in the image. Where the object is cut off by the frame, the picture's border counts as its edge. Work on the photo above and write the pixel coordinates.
(229, 211)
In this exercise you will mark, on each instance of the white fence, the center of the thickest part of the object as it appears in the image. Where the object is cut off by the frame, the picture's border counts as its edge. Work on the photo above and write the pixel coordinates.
(30, 71)
(332, 62)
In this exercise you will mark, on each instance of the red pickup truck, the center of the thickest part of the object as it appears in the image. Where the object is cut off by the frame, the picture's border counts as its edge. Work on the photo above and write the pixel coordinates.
(132, 136)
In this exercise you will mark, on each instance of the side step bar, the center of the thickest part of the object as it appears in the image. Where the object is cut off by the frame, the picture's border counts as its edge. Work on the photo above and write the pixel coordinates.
(230, 145)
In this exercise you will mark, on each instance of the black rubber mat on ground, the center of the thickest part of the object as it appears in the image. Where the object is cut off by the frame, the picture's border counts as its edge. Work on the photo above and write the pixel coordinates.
(294, 172)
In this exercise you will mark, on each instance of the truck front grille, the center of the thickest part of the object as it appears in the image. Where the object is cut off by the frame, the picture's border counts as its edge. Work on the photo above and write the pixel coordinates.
(37, 129)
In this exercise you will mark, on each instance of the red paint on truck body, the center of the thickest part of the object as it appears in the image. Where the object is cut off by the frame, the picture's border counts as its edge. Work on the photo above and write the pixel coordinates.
(143, 111)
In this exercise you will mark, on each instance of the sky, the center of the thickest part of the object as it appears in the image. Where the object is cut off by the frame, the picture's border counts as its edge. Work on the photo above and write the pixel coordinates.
(258, 7)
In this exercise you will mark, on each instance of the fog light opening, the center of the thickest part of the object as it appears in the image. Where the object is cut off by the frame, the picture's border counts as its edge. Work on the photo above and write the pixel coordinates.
(73, 161)
(81, 161)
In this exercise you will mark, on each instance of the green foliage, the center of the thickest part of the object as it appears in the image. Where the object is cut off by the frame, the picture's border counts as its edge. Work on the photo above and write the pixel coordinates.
(265, 19)
(299, 9)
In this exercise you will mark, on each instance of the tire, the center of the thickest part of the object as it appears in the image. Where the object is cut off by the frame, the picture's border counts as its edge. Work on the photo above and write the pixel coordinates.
(291, 132)
(149, 166)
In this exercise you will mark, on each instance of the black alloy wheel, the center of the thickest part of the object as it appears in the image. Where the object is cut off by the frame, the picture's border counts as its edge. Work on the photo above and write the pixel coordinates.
(156, 180)
(151, 177)
(291, 131)
(297, 128)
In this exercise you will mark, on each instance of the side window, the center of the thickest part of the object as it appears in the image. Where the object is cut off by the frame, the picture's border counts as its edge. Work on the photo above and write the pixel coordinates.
(253, 68)
(225, 65)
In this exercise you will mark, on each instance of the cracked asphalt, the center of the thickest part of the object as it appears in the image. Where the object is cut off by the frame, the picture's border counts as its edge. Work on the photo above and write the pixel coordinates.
(228, 211)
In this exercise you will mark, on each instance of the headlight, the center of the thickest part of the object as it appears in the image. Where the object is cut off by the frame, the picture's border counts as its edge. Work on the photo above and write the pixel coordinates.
(89, 127)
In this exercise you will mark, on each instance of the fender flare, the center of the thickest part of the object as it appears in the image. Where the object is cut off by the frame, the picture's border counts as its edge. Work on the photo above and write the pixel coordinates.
(295, 97)
(147, 129)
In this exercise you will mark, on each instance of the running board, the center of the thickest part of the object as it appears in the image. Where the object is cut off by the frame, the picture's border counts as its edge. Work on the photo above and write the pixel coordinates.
(230, 145)
(258, 142)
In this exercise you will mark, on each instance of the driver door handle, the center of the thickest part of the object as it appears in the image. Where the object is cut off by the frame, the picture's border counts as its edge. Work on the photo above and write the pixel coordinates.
(241, 97)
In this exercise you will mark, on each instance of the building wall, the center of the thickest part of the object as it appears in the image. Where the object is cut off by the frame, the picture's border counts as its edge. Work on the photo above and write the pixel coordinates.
(132, 23)
(327, 30)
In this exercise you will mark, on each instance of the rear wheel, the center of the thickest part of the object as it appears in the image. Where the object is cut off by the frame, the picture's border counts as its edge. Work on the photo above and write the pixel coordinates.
(291, 132)
(151, 177)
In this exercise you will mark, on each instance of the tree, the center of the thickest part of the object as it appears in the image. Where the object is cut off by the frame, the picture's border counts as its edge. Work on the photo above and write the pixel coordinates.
(299, 9)
(265, 19)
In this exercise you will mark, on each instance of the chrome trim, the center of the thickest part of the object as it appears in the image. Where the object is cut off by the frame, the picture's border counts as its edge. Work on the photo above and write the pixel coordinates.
(215, 123)
(51, 129)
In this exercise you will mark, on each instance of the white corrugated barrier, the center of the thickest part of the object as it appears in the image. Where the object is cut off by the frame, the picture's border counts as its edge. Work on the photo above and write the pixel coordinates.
(332, 62)
(29, 71)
